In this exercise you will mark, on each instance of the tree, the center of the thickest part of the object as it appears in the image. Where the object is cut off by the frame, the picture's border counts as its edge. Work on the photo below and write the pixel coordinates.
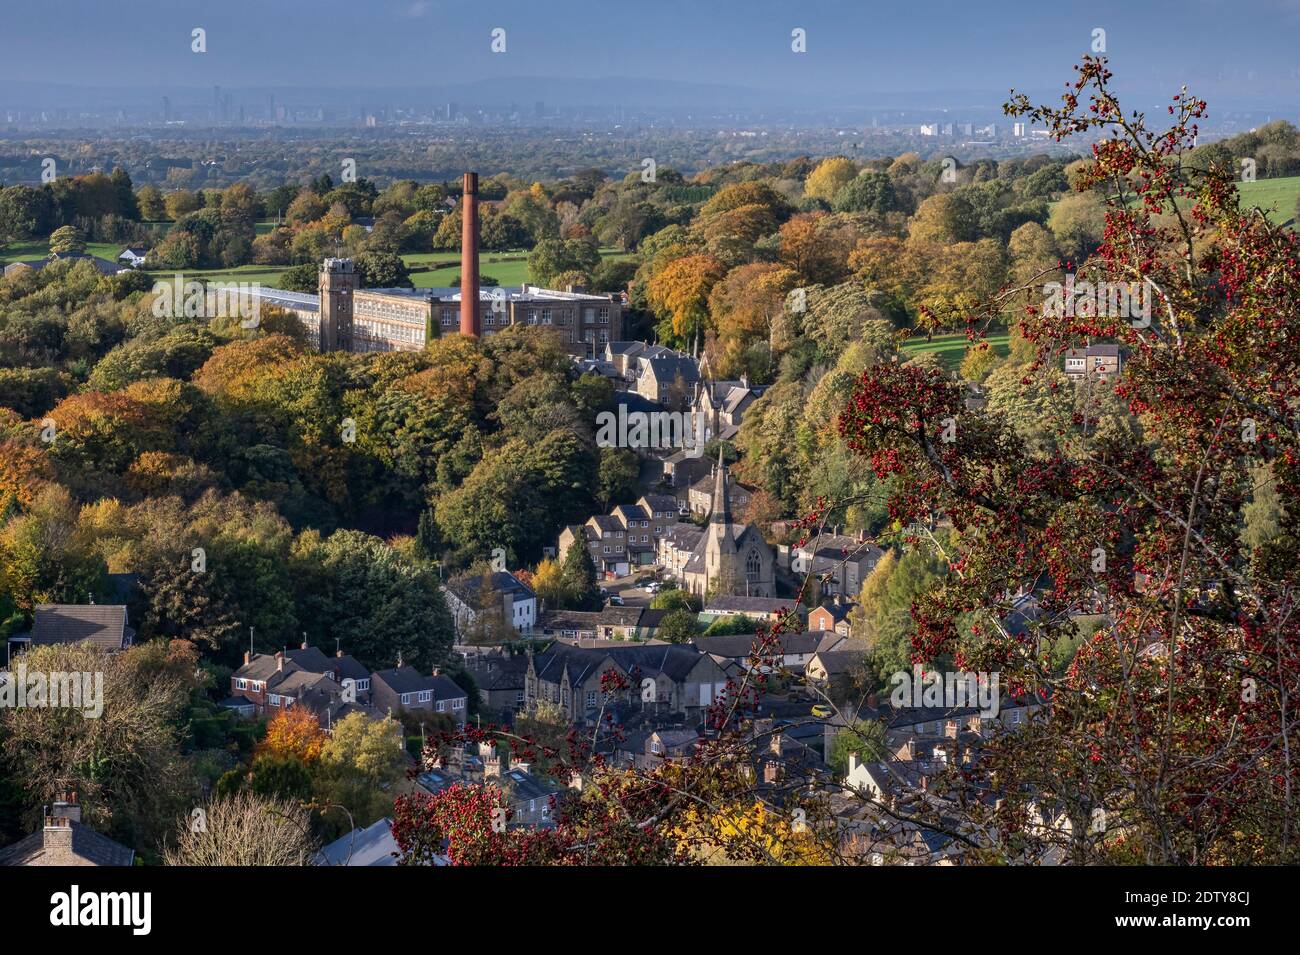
(869, 192)
(294, 731)
(618, 477)
(680, 293)
(1077, 223)
(830, 176)
(382, 270)
(120, 749)
(67, 239)
(731, 623)
(943, 219)
(150, 202)
(578, 573)
(862, 739)
(181, 203)
(244, 830)
(978, 362)
(1146, 721)
(352, 586)
(359, 765)
(674, 598)
(677, 626)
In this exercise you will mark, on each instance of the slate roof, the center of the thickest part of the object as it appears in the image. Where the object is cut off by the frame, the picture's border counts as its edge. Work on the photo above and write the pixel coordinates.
(839, 662)
(737, 645)
(624, 348)
(87, 844)
(104, 625)
(651, 619)
(410, 680)
(835, 548)
(467, 588)
(616, 616)
(661, 502)
(686, 536)
(570, 620)
(519, 784)
(666, 368)
(435, 780)
(632, 512)
(373, 845)
(724, 603)
(1025, 611)
(263, 667)
(674, 660)
(507, 673)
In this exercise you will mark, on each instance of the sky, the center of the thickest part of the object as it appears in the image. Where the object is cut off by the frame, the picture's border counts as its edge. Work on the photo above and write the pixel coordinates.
(1238, 51)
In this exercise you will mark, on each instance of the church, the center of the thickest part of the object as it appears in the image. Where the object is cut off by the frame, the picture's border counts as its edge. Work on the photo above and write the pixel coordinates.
(729, 558)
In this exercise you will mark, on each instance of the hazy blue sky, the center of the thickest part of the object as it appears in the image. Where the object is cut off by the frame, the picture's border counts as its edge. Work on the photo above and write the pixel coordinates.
(1242, 50)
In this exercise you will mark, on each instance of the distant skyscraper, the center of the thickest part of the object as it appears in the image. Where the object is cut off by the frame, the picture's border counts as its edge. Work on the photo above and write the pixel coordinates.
(167, 109)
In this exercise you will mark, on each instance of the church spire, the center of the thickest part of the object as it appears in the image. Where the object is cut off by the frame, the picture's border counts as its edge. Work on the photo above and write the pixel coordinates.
(721, 517)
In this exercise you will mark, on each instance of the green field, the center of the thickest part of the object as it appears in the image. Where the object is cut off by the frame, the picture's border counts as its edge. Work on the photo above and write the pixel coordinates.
(1277, 197)
(40, 248)
(951, 349)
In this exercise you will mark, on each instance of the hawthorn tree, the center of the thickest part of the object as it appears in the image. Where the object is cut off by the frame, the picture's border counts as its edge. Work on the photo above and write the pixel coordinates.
(1170, 738)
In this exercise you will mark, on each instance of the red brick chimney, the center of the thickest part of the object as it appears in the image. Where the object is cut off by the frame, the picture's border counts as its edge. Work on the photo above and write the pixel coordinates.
(469, 305)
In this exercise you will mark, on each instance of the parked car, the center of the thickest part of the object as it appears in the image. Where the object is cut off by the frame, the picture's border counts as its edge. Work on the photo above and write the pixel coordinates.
(615, 600)
(821, 711)
(653, 587)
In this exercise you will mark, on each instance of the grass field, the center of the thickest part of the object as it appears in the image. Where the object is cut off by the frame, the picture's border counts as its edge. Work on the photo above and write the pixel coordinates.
(428, 269)
(951, 349)
(1277, 197)
(40, 248)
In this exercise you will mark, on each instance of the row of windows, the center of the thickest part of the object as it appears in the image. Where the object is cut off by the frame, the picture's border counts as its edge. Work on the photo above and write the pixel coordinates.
(426, 696)
(532, 316)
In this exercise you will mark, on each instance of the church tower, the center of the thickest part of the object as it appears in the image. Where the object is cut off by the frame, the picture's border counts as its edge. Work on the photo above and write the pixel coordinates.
(720, 549)
(338, 281)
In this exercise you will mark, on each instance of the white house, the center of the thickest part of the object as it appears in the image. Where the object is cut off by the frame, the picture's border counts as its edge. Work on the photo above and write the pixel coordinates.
(133, 255)
(518, 602)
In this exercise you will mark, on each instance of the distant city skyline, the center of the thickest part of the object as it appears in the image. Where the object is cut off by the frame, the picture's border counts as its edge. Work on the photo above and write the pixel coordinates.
(1237, 55)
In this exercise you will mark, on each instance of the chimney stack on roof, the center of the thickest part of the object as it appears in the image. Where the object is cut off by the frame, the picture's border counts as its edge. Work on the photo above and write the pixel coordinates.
(67, 807)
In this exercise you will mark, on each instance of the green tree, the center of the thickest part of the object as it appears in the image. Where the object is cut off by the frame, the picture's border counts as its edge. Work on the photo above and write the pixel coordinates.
(862, 739)
(67, 239)
(578, 577)
(679, 626)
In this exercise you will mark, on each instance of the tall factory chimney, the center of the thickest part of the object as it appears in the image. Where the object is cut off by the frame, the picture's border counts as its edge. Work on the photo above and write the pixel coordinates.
(469, 306)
